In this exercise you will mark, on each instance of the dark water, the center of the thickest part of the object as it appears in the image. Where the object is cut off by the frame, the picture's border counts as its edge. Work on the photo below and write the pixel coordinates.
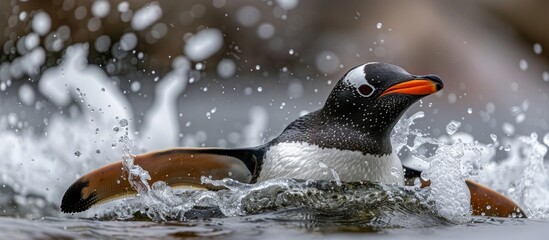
(264, 226)
(277, 209)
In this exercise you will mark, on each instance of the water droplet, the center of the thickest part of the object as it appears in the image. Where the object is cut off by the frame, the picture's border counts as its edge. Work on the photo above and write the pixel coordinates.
(523, 64)
(395, 172)
(494, 137)
(545, 76)
(520, 118)
(379, 25)
(226, 68)
(77, 153)
(98, 151)
(425, 175)
(537, 48)
(508, 128)
(488, 207)
(515, 110)
(136, 86)
(116, 129)
(291, 52)
(452, 127)
(457, 152)
(259, 89)
(514, 86)
(417, 182)
(470, 110)
(123, 122)
(546, 139)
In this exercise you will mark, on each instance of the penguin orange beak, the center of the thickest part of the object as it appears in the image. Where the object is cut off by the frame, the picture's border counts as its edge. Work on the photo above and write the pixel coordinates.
(429, 85)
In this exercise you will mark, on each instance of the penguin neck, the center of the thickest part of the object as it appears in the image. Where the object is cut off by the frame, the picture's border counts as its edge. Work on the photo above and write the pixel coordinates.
(325, 130)
(375, 124)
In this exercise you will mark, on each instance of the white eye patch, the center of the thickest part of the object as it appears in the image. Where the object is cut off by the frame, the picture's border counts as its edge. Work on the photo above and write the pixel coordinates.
(357, 79)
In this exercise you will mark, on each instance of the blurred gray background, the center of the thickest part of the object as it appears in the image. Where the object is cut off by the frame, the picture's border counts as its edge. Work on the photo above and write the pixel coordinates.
(491, 54)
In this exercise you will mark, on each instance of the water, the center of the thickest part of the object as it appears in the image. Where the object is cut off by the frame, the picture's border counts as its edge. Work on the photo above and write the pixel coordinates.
(263, 226)
(298, 208)
(91, 122)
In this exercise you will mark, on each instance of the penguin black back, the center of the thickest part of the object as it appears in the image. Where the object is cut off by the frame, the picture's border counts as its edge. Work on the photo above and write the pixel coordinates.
(362, 109)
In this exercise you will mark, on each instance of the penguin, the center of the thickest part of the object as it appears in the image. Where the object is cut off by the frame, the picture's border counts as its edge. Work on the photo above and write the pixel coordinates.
(349, 134)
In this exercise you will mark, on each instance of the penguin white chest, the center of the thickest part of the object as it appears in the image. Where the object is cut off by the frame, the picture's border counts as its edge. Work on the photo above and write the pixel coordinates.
(306, 161)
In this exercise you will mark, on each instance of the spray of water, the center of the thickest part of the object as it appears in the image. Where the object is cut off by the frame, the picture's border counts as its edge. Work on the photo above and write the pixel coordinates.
(99, 129)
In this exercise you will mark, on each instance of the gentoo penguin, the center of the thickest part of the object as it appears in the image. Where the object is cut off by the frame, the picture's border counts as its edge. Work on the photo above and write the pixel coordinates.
(349, 134)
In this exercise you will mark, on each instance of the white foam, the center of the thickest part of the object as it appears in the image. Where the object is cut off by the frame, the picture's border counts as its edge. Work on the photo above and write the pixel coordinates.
(522, 175)
(93, 84)
(164, 110)
(253, 132)
(46, 165)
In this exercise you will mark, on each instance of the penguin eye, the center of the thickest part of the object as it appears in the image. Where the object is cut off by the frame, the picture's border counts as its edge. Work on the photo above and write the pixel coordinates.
(365, 90)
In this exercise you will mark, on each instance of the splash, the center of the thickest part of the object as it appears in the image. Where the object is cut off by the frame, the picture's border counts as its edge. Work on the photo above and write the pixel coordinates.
(459, 156)
(453, 159)
(291, 200)
(99, 129)
(447, 162)
(525, 174)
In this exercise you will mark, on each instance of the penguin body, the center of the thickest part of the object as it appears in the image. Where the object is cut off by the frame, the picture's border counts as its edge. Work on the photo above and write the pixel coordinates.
(348, 138)
(350, 134)
(302, 160)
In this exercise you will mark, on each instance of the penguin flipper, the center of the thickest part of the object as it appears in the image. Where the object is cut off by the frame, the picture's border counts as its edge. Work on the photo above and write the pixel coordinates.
(179, 167)
(487, 202)
(484, 200)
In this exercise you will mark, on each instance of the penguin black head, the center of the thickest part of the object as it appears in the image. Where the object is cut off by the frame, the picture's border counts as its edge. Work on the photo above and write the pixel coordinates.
(372, 97)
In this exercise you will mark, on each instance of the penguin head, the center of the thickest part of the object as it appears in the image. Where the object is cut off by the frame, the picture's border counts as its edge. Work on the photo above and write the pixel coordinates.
(373, 96)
